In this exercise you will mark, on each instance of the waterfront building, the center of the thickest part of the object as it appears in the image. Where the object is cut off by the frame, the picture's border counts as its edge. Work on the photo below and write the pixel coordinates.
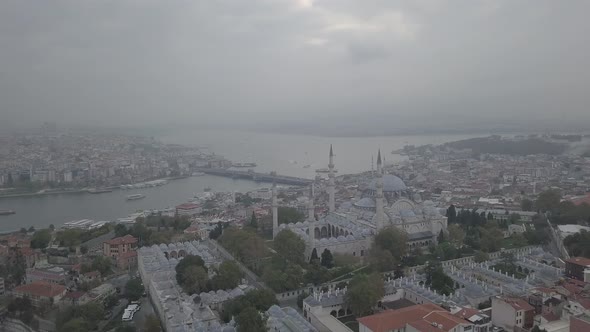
(384, 201)
(188, 209)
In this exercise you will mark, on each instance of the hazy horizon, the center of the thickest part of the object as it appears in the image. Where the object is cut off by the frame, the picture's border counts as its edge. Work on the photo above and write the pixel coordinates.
(322, 67)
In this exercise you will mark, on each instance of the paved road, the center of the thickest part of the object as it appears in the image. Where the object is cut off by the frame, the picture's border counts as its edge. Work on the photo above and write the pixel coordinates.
(140, 317)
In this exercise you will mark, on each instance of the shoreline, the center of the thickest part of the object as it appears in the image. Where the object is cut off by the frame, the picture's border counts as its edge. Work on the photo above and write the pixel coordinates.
(79, 191)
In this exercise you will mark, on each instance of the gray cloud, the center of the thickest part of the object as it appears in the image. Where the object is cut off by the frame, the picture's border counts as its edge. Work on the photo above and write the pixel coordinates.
(259, 62)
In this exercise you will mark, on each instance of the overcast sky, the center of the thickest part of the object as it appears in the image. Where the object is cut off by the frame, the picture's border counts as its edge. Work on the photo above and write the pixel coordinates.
(247, 62)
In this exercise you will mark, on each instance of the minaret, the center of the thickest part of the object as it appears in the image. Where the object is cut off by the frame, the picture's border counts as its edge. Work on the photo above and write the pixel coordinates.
(311, 207)
(275, 211)
(379, 196)
(331, 189)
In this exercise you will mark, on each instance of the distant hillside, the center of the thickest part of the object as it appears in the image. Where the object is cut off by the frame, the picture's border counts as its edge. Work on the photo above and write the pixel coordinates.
(498, 145)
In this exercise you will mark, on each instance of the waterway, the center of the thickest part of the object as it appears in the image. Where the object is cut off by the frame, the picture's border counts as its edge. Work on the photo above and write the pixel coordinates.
(285, 154)
(41, 211)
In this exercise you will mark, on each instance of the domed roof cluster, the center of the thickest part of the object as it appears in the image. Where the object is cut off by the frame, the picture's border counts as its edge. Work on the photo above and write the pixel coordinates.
(365, 202)
(391, 183)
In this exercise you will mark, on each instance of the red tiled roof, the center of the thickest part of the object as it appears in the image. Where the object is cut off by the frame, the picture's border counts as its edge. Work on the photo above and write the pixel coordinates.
(127, 239)
(518, 304)
(579, 261)
(466, 313)
(444, 318)
(127, 254)
(41, 289)
(420, 316)
(424, 326)
(581, 200)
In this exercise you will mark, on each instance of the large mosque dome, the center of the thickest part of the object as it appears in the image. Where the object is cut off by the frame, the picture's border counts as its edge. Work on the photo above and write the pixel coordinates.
(391, 183)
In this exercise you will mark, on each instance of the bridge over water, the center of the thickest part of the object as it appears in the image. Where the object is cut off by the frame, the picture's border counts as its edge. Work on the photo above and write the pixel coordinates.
(260, 177)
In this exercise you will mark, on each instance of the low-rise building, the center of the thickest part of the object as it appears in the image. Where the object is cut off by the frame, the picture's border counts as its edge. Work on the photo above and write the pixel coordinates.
(188, 209)
(115, 247)
(509, 313)
(127, 260)
(51, 274)
(416, 318)
(41, 293)
(575, 267)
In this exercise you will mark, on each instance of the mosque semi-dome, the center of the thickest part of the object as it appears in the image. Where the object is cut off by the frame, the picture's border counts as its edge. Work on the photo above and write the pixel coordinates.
(391, 183)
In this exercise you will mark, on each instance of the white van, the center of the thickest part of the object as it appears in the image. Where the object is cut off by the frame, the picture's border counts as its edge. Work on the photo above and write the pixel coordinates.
(127, 316)
(133, 307)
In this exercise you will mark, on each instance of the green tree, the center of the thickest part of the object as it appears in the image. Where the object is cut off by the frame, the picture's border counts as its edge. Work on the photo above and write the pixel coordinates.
(253, 221)
(548, 200)
(490, 238)
(300, 299)
(134, 289)
(260, 299)
(152, 324)
(289, 215)
(526, 204)
(195, 280)
(250, 320)
(481, 256)
(41, 239)
(456, 235)
(314, 256)
(121, 230)
(51, 227)
(102, 264)
(83, 249)
(327, 259)
(290, 246)
(125, 328)
(382, 260)
(184, 264)
(75, 325)
(393, 240)
(229, 276)
(514, 218)
(364, 291)
(452, 214)
(438, 280)
(441, 237)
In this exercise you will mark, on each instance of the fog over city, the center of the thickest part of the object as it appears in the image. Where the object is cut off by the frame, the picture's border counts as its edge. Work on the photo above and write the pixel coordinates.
(302, 66)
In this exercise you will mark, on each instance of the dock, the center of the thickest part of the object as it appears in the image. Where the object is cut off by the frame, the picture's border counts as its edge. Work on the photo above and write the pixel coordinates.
(259, 177)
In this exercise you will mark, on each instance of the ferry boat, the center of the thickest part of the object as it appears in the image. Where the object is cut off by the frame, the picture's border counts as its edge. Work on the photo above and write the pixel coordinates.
(324, 170)
(98, 191)
(6, 212)
(135, 197)
(244, 164)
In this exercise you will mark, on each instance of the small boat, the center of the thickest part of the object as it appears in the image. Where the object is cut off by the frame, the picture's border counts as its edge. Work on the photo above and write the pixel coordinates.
(198, 174)
(307, 166)
(135, 197)
(207, 189)
(6, 212)
(98, 191)
(244, 165)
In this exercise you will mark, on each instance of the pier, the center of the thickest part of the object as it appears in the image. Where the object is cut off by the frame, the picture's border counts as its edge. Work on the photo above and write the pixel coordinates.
(259, 177)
